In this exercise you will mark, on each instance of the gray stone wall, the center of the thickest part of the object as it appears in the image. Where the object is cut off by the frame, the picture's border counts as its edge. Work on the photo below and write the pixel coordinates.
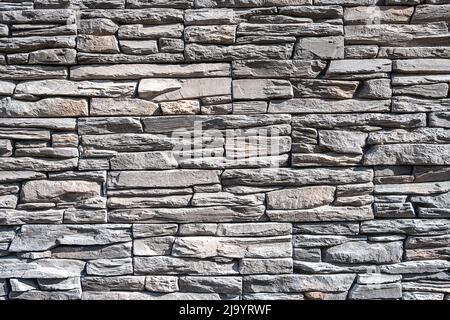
(224, 149)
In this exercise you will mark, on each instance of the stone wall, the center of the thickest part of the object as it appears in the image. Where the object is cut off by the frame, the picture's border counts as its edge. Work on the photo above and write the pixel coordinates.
(224, 149)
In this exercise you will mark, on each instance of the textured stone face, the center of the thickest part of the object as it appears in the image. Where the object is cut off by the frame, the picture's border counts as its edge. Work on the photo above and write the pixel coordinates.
(224, 149)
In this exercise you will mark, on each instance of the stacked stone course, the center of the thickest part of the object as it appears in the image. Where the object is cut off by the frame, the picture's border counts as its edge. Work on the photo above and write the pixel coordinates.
(99, 105)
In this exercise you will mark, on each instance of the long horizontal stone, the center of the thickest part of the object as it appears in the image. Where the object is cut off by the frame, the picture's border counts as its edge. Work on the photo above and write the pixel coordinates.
(259, 229)
(320, 48)
(210, 17)
(297, 30)
(298, 283)
(440, 119)
(408, 154)
(150, 296)
(119, 283)
(424, 188)
(261, 89)
(404, 104)
(57, 124)
(327, 11)
(155, 179)
(57, 107)
(42, 269)
(365, 252)
(144, 161)
(225, 285)
(109, 267)
(21, 44)
(25, 134)
(44, 237)
(80, 88)
(402, 35)
(204, 53)
(325, 213)
(225, 198)
(413, 52)
(351, 66)
(313, 105)
(427, 66)
(300, 198)
(89, 58)
(37, 164)
(139, 31)
(47, 152)
(206, 247)
(295, 177)
(15, 176)
(230, 163)
(431, 13)
(109, 125)
(248, 3)
(128, 142)
(333, 121)
(139, 71)
(438, 90)
(425, 227)
(97, 26)
(183, 266)
(187, 123)
(277, 68)
(37, 16)
(425, 266)
(181, 89)
(122, 107)
(139, 46)
(421, 135)
(173, 201)
(57, 56)
(214, 34)
(107, 251)
(22, 217)
(405, 80)
(59, 191)
(188, 215)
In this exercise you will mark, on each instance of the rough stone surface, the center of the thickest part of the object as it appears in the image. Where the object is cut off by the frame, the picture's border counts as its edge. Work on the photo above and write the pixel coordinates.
(224, 149)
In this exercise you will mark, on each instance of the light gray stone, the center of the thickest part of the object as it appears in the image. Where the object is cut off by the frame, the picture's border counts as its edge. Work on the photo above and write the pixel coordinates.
(59, 191)
(277, 68)
(371, 291)
(204, 247)
(262, 89)
(298, 283)
(43, 237)
(138, 71)
(364, 252)
(214, 34)
(188, 215)
(139, 46)
(109, 267)
(300, 198)
(79, 88)
(165, 265)
(172, 89)
(404, 154)
(320, 48)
